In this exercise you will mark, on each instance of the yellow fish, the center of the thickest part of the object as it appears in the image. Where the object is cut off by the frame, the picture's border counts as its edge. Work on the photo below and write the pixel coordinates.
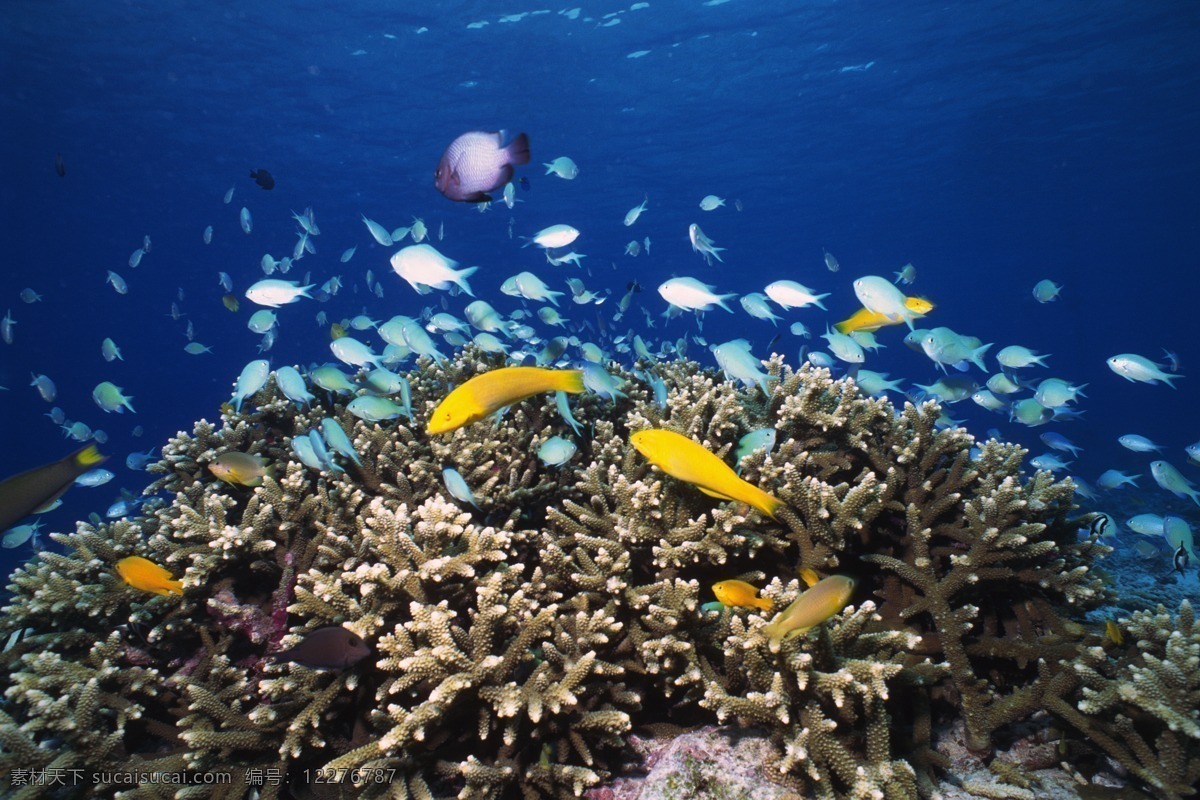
(810, 609)
(230, 300)
(741, 594)
(141, 573)
(1113, 632)
(237, 467)
(680, 457)
(864, 320)
(488, 393)
(337, 331)
(809, 576)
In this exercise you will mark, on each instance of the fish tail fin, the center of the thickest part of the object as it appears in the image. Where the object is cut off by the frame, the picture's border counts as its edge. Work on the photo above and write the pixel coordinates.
(843, 326)
(175, 587)
(768, 504)
(89, 456)
(1167, 378)
(977, 356)
(570, 381)
(461, 276)
(518, 149)
(764, 604)
(817, 301)
(722, 298)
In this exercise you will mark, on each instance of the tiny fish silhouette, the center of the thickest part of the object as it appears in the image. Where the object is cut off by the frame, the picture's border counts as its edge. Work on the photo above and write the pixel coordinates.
(60, 166)
(263, 178)
(332, 647)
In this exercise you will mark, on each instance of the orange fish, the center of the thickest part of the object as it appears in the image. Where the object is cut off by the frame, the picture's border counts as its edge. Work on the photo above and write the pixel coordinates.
(741, 594)
(142, 573)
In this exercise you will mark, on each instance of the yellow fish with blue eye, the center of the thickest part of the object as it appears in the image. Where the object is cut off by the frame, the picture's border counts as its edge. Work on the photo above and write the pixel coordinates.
(739, 594)
(680, 457)
(818, 603)
(486, 394)
(142, 573)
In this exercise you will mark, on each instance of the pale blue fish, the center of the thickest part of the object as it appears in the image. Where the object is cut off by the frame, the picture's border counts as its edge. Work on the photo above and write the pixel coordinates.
(196, 349)
(1138, 444)
(489, 343)
(139, 460)
(351, 351)
(246, 220)
(1030, 412)
(945, 347)
(758, 306)
(950, 389)
(1133, 367)
(1046, 291)
(1169, 478)
(843, 346)
(986, 400)
(94, 477)
(1015, 357)
(376, 409)
(760, 439)
(1055, 392)
(564, 411)
(45, 387)
(348, 254)
(336, 436)
(384, 382)
(117, 282)
(1115, 479)
(1193, 452)
(110, 351)
(456, 485)
(322, 452)
(556, 451)
(1059, 442)
(876, 383)
(303, 449)
(1145, 524)
(331, 379)
(1178, 533)
(598, 381)
(739, 364)
(252, 378)
(818, 358)
(1049, 462)
(1002, 384)
(57, 415)
(292, 386)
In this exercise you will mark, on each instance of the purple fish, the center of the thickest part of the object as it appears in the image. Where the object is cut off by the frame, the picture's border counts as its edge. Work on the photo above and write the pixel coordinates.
(479, 162)
(333, 647)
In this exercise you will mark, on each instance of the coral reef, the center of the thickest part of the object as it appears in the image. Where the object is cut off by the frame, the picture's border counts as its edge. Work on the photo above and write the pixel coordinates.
(517, 646)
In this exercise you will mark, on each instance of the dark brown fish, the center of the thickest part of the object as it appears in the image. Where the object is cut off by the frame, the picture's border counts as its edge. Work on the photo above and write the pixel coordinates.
(479, 162)
(21, 494)
(263, 178)
(60, 166)
(333, 647)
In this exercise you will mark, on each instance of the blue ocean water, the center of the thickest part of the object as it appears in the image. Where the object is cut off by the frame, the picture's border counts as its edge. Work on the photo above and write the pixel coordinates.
(991, 145)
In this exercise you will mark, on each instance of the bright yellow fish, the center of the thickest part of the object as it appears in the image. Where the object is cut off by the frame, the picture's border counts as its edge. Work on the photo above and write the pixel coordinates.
(680, 457)
(864, 320)
(741, 595)
(1114, 632)
(810, 609)
(141, 573)
(488, 393)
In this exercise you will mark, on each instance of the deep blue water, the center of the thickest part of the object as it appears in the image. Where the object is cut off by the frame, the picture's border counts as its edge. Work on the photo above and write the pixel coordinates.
(990, 144)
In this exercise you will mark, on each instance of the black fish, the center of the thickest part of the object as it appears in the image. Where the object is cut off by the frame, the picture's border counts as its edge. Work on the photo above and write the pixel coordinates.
(1181, 560)
(333, 647)
(263, 178)
(21, 494)
(60, 166)
(524, 182)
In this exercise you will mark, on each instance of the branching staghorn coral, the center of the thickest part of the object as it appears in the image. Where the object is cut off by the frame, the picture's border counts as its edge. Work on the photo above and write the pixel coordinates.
(1140, 701)
(514, 646)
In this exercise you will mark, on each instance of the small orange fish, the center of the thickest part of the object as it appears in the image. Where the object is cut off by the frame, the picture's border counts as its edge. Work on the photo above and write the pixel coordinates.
(1114, 633)
(142, 573)
(741, 595)
(233, 466)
